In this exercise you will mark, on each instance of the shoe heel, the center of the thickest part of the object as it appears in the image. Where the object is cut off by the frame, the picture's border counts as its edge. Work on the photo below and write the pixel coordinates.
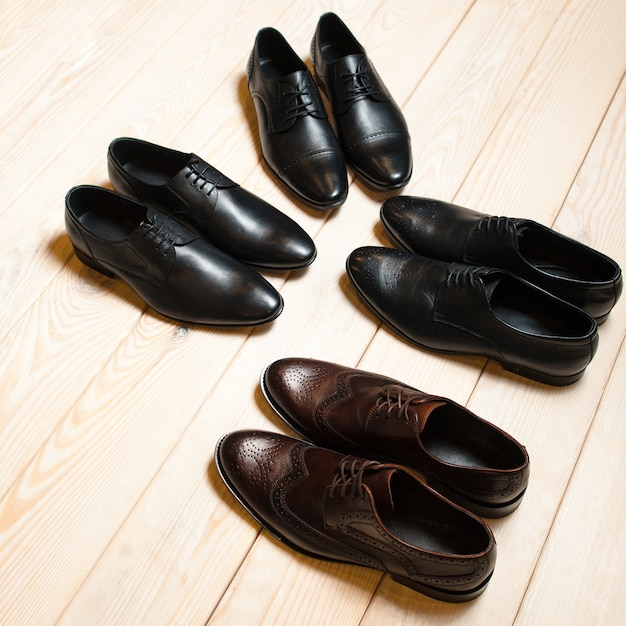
(546, 379)
(92, 263)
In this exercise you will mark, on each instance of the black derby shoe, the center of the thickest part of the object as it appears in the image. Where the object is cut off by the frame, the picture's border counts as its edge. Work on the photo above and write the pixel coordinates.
(465, 309)
(350, 509)
(566, 268)
(470, 461)
(173, 269)
(297, 140)
(372, 130)
(194, 192)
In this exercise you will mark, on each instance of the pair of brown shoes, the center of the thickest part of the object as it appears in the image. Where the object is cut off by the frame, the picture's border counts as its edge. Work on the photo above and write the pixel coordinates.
(334, 502)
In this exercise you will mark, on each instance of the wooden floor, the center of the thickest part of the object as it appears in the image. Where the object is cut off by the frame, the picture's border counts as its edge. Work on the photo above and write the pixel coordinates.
(111, 509)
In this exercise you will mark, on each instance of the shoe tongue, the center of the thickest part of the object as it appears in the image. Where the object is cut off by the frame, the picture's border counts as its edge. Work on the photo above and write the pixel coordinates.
(351, 63)
(488, 276)
(491, 279)
(295, 79)
(379, 484)
(522, 227)
(424, 411)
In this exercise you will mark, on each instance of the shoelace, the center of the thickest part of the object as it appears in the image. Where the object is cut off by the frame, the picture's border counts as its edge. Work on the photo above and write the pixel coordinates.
(358, 84)
(200, 175)
(300, 102)
(349, 476)
(397, 401)
(463, 275)
(159, 236)
(494, 223)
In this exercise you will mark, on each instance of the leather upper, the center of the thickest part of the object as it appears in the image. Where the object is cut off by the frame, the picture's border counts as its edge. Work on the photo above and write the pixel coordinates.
(566, 268)
(297, 140)
(371, 128)
(464, 309)
(359, 412)
(350, 509)
(170, 267)
(197, 194)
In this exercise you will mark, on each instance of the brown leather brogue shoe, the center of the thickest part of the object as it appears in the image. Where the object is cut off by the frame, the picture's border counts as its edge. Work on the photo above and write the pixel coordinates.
(469, 460)
(349, 509)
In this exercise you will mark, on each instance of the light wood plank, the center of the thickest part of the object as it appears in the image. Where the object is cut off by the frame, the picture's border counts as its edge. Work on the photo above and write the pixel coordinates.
(562, 584)
(546, 115)
(111, 510)
(580, 577)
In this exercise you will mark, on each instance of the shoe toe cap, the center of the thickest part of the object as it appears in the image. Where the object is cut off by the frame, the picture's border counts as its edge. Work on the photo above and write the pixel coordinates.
(320, 179)
(289, 385)
(385, 160)
(250, 462)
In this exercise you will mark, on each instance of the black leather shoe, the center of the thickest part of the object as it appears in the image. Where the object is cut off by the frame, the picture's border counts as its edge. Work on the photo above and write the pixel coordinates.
(174, 270)
(467, 459)
(297, 140)
(353, 510)
(465, 309)
(564, 267)
(372, 130)
(194, 192)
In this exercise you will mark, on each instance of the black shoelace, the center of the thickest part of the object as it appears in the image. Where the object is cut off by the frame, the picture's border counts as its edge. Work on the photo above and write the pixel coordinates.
(300, 102)
(204, 176)
(158, 235)
(358, 84)
(493, 223)
(458, 276)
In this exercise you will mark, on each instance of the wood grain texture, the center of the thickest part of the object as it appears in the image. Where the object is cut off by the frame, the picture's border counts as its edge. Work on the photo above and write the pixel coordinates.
(111, 508)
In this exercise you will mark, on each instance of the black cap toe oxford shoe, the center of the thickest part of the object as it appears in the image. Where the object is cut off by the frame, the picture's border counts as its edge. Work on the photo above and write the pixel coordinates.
(174, 270)
(562, 266)
(297, 141)
(372, 130)
(466, 309)
(193, 192)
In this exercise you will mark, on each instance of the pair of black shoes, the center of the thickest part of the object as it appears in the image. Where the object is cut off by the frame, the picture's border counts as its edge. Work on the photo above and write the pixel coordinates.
(184, 236)
(504, 288)
(297, 140)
